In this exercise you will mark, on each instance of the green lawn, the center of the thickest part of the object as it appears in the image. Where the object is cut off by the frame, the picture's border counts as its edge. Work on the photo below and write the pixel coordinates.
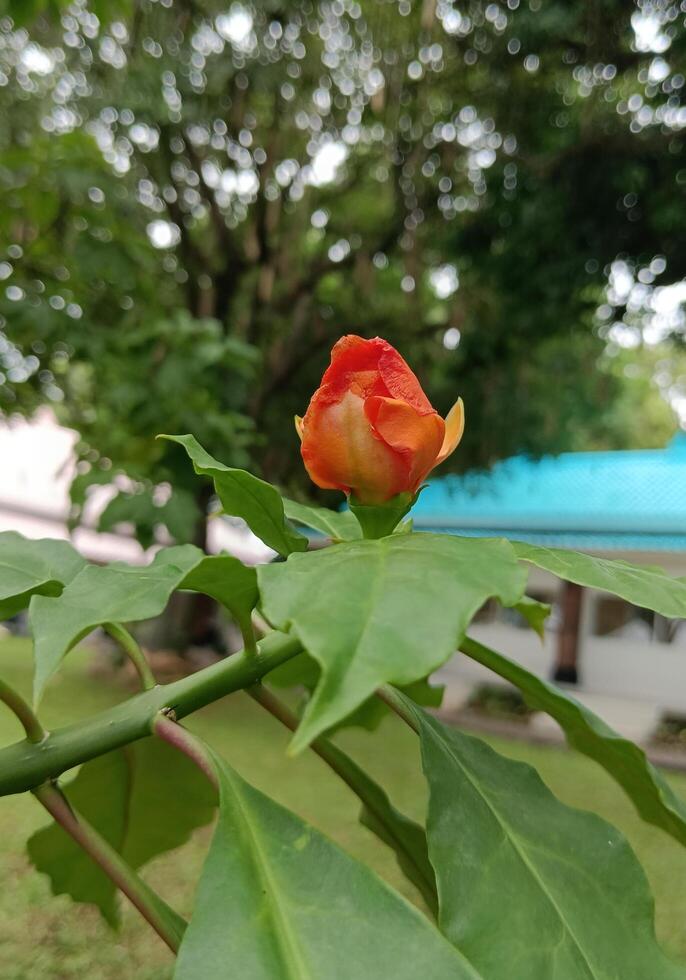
(47, 938)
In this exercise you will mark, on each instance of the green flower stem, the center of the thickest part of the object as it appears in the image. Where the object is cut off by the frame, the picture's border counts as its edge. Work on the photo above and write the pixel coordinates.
(169, 927)
(390, 696)
(180, 738)
(15, 702)
(23, 766)
(133, 652)
(380, 520)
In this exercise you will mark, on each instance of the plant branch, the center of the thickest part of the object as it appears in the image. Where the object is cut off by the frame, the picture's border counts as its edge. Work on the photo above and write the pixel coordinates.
(24, 766)
(133, 652)
(321, 746)
(166, 923)
(180, 738)
(390, 696)
(15, 702)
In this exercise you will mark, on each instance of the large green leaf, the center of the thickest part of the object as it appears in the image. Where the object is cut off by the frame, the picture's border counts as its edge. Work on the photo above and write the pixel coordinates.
(339, 525)
(128, 593)
(144, 800)
(650, 587)
(650, 793)
(405, 837)
(530, 889)
(112, 593)
(278, 901)
(387, 610)
(30, 567)
(244, 495)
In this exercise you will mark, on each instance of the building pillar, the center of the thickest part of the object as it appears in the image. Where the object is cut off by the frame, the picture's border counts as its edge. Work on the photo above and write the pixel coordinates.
(566, 663)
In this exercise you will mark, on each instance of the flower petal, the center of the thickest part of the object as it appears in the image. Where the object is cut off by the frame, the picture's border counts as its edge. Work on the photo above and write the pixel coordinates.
(418, 438)
(373, 367)
(454, 427)
(298, 426)
(401, 381)
(341, 452)
(354, 366)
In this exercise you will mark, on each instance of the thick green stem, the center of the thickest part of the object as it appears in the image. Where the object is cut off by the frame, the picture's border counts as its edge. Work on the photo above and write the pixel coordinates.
(390, 696)
(23, 765)
(163, 920)
(133, 652)
(181, 739)
(15, 702)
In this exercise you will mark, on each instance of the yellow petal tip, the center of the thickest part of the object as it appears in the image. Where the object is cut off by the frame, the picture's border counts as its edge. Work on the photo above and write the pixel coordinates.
(454, 428)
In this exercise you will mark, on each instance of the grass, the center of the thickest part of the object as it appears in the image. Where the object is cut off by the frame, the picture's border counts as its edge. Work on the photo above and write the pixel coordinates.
(48, 938)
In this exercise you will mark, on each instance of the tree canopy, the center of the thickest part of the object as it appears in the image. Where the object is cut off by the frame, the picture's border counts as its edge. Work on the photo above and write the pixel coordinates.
(198, 199)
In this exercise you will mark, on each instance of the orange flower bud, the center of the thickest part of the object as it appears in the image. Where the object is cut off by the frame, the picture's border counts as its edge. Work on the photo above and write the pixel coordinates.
(369, 429)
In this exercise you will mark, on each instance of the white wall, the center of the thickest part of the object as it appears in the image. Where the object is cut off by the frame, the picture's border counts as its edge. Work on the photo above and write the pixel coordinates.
(36, 469)
(625, 668)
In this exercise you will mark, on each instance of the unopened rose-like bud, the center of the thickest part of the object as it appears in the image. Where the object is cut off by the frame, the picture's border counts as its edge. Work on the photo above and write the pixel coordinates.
(369, 429)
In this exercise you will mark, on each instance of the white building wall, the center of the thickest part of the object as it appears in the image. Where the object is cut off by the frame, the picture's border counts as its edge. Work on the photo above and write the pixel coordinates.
(36, 470)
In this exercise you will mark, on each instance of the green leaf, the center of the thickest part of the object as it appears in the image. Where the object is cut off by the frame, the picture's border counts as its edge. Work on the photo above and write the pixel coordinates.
(122, 593)
(650, 793)
(534, 612)
(649, 588)
(303, 671)
(144, 800)
(528, 887)
(29, 567)
(387, 610)
(228, 581)
(113, 593)
(405, 837)
(338, 525)
(244, 495)
(278, 901)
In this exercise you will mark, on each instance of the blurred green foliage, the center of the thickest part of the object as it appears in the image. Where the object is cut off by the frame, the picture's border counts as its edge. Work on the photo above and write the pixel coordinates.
(198, 198)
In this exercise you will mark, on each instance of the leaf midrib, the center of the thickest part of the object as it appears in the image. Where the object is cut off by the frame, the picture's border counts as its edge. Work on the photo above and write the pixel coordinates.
(286, 941)
(519, 851)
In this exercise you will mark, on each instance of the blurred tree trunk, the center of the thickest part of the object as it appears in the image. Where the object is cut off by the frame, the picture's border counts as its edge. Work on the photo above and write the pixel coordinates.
(190, 619)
